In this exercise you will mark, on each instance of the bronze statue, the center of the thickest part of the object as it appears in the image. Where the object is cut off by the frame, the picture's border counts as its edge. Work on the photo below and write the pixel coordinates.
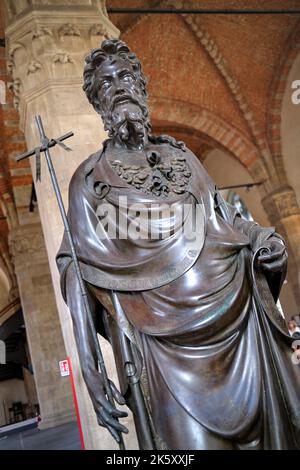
(203, 356)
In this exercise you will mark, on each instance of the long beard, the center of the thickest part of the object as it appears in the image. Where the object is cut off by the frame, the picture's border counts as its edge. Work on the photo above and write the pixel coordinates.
(128, 124)
(130, 130)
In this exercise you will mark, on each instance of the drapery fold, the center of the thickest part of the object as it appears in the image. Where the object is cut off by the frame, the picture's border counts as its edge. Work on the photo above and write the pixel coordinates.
(216, 362)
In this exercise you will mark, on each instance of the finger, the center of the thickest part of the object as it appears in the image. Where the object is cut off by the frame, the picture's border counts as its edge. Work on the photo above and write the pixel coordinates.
(272, 256)
(115, 434)
(100, 420)
(116, 394)
(112, 410)
(109, 420)
(116, 413)
(112, 431)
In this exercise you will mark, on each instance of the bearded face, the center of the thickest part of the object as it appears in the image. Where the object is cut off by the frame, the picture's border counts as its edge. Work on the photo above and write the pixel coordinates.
(123, 102)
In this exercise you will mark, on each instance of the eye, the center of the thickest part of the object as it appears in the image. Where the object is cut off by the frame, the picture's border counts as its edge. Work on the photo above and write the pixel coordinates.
(127, 77)
(105, 85)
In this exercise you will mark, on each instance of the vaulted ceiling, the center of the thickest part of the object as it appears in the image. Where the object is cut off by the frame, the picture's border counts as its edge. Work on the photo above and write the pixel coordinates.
(226, 64)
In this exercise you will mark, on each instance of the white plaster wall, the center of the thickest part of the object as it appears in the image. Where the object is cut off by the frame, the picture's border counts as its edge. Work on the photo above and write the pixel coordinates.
(290, 131)
(228, 171)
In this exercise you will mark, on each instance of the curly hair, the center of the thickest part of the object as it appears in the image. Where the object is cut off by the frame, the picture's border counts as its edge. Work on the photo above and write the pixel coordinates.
(108, 49)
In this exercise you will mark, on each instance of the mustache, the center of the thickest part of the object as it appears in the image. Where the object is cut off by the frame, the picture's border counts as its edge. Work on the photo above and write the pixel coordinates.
(124, 97)
(120, 98)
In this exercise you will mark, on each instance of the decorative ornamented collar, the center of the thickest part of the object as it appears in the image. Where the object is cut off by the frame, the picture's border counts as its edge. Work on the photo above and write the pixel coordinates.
(161, 178)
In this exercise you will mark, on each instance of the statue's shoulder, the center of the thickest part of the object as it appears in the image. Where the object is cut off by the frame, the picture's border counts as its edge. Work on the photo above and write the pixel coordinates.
(166, 141)
(201, 177)
(83, 170)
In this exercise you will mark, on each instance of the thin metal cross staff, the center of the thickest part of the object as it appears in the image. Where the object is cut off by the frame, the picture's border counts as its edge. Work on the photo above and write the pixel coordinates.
(45, 145)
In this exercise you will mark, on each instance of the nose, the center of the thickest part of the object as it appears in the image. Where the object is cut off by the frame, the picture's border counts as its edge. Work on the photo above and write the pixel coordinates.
(119, 85)
(120, 91)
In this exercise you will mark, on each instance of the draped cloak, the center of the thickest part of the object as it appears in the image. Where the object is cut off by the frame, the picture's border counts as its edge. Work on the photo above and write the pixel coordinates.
(219, 370)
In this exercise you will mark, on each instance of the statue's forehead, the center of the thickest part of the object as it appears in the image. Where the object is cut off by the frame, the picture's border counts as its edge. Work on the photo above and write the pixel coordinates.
(113, 65)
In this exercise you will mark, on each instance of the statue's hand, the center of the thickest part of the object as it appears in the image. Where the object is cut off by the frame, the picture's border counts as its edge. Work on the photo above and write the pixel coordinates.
(273, 257)
(107, 414)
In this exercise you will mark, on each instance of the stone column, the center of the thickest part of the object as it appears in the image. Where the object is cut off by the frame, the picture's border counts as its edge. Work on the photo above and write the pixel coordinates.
(42, 325)
(47, 43)
(283, 212)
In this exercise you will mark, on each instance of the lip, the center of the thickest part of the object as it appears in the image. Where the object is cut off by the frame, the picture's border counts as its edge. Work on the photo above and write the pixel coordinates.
(121, 99)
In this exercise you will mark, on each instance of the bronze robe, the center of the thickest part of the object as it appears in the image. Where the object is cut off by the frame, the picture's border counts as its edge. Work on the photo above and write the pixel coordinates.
(219, 370)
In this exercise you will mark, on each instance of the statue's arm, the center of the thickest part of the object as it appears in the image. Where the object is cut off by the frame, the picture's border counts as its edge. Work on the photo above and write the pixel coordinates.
(273, 259)
(260, 236)
(107, 414)
(257, 234)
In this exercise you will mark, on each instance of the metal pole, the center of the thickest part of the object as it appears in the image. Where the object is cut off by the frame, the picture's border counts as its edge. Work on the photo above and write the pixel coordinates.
(245, 185)
(144, 433)
(211, 11)
(83, 290)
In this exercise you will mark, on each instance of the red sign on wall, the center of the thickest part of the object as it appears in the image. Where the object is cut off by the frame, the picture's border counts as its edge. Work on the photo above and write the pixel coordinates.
(64, 368)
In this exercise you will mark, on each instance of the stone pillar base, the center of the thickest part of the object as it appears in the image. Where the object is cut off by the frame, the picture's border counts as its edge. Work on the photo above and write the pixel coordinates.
(43, 329)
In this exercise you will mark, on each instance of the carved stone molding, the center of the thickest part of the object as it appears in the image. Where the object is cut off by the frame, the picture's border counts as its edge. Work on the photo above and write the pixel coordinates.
(48, 40)
(27, 244)
(281, 204)
(99, 30)
(15, 88)
(17, 8)
(63, 58)
(69, 30)
(40, 31)
(33, 67)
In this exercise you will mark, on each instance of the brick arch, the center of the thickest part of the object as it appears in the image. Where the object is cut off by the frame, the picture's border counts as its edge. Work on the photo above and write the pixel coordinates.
(207, 123)
(200, 144)
(276, 96)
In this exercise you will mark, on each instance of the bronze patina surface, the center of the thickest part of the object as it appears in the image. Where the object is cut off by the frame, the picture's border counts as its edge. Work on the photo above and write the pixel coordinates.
(203, 358)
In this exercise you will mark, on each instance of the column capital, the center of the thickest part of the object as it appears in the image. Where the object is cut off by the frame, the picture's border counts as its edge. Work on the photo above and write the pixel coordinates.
(281, 203)
(15, 11)
(48, 40)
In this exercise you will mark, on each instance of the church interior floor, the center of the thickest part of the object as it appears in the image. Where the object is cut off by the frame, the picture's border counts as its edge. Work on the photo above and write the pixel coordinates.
(64, 437)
